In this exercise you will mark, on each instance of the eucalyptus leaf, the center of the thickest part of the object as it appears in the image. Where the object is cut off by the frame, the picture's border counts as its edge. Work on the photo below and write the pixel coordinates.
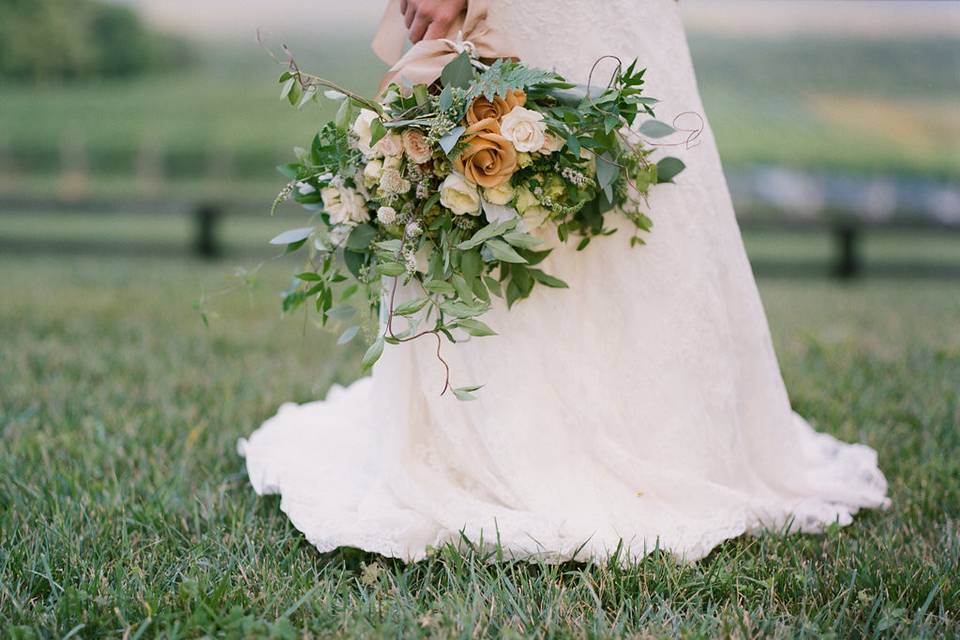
(291, 236)
(450, 140)
(392, 269)
(458, 73)
(656, 129)
(522, 240)
(547, 280)
(348, 335)
(361, 236)
(668, 169)
(461, 310)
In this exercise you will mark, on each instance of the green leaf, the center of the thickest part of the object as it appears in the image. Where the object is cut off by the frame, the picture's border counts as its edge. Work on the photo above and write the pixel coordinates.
(354, 262)
(471, 264)
(439, 286)
(308, 276)
(343, 312)
(360, 237)
(492, 230)
(463, 289)
(342, 120)
(522, 240)
(291, 171)
(377, 131)
(411, 307)
(548, 280)
(607, 171)
(573, 145)
(446, 99)
(391, 246)
(668, 169)
(450, 140)
(373, 353)
(287, 87)
(466, 393)
(504, 252)
(391, 269)
(475, 327)
(293, 235)
(458, 73)
(493, 286)
(461, 310)
(656, 129)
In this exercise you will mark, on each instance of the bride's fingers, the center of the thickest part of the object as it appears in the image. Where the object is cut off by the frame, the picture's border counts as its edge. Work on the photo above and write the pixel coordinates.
(419, 28)
(403, 7)
(409, 14)
(436, 30)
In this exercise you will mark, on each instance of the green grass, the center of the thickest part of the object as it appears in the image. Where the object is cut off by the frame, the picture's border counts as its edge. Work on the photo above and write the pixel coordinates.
(124, 510)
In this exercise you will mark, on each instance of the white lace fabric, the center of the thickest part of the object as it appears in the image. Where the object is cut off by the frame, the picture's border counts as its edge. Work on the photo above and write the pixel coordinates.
(642, 405)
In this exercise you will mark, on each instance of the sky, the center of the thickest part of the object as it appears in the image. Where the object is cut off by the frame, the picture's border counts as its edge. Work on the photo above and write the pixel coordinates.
(237, 19)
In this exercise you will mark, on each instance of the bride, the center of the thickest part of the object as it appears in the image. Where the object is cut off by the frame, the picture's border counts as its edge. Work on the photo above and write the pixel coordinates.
(643, 407)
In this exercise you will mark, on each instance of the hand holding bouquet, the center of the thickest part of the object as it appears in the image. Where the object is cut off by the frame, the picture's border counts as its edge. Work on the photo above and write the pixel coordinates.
(449, 188)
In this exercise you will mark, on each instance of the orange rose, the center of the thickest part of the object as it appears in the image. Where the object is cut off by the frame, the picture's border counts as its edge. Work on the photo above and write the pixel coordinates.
(481, 109)
(489, 159)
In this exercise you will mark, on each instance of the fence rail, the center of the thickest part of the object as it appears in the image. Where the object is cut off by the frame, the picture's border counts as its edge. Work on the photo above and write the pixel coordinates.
(847, 228)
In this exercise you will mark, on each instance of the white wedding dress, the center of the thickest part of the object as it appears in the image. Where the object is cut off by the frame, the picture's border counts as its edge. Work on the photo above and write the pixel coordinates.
(643, 405)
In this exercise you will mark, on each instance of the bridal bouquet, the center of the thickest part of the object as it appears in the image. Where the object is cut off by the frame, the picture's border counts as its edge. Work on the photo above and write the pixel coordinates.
(451, 187)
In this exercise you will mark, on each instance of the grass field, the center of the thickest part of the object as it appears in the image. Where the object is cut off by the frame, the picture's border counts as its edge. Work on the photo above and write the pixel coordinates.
(124, 511)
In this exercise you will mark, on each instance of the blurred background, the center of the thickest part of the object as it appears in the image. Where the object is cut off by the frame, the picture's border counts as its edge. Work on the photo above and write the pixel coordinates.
(151, 127)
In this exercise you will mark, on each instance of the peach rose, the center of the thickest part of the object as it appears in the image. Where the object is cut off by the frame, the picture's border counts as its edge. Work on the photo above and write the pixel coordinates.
(489, 159)
(481, 109)
(416, 146)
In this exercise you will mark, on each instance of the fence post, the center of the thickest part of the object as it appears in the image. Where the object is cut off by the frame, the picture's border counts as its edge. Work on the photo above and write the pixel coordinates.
(848, 253)
(206, 217)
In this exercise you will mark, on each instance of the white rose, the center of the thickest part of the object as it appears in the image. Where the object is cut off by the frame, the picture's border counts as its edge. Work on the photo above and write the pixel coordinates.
(390, 145)
(459, 196)
(499, 195)
(361, 129)
(345, 206)
(372, 172)
(524, 128)
(387, 215)
(552, 143)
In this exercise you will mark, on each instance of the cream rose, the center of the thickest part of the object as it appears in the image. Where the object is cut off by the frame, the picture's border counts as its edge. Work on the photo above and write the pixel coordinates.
(390, 145)
(372, 173)
(525, 128)
(551, 143)
(499, 195)
(416, 146)
(344, 205)
(361, 129)
(458, 195)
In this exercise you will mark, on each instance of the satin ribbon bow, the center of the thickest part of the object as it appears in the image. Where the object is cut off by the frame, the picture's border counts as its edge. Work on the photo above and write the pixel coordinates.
(424, 61)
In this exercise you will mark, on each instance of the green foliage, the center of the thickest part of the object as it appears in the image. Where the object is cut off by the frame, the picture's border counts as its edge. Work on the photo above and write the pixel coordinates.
(59, 39)
(124, 508)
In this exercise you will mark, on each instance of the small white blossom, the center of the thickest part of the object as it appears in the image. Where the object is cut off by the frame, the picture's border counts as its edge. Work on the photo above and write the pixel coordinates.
(305, 188)
(387, 215)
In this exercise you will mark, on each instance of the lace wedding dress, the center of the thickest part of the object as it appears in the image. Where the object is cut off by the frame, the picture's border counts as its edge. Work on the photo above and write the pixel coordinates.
(642, 405)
